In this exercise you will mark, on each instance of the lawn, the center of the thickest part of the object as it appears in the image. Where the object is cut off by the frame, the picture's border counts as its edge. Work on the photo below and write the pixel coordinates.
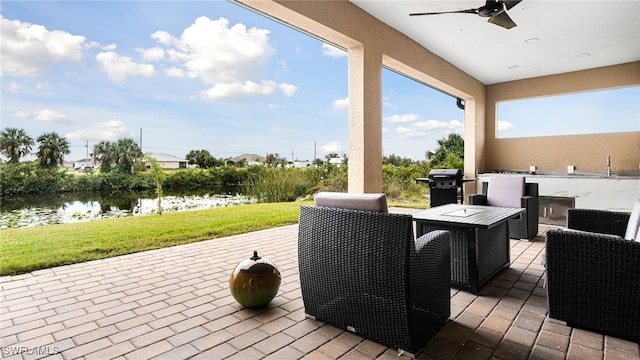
(27, 249)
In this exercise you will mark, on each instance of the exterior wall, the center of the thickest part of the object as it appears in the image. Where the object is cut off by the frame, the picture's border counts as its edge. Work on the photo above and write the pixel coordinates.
(555, 153)
(170, 164)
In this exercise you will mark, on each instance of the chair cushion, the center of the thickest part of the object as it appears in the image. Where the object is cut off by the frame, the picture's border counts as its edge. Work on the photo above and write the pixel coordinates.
(368, 202)
(505, 191)
(633, 227)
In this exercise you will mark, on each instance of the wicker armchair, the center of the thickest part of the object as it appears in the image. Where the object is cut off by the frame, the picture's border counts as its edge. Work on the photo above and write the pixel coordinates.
(593, 274)
(526, 225)
(363, 271)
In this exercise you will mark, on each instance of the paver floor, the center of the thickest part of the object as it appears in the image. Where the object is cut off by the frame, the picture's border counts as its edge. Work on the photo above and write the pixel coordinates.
(174, 303)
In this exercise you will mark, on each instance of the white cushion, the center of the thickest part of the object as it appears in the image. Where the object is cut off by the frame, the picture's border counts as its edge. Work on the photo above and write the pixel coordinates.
(634, 223)
(505, 191)
(368, 202)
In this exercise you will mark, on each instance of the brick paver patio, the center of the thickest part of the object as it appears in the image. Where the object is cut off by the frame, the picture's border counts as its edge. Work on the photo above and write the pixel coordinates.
(174, 303)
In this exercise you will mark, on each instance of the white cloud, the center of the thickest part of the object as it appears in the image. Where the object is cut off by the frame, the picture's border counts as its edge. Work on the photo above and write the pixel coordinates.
(390, 105)
(90, 45)
(403, 118)
(44, 115)
(427, 125)
(162, 37)
(110, 47)
(110, 130)
(504, 125)
(332, 147)
(227, 57)
(152, 54)
(341, 103)
(21, 114)
(409, 132)
(246, 89)
(119, 67)
(175, 72)
(239, 90)
(422, 128)
(288, 89)
(332, 51)
(48, 115)
(218, 53)
(27, 49)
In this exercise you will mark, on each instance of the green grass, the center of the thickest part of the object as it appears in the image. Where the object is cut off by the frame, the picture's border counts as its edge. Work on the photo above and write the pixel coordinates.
(27, 249)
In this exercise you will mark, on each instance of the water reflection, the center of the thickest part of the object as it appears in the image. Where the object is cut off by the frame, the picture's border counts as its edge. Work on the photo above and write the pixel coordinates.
(69, 208)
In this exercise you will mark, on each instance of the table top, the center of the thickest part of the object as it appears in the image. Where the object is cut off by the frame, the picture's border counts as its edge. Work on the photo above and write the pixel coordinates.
(467, 215)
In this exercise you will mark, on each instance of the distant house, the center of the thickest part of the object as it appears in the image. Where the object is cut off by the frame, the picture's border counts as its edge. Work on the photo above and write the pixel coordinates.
(301, 164)
(167, 161)
(79, 163)
(251, 159)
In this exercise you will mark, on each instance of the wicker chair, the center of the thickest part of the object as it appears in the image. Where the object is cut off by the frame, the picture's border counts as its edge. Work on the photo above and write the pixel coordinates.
(363, 271)
(526, 225)
(593, 274)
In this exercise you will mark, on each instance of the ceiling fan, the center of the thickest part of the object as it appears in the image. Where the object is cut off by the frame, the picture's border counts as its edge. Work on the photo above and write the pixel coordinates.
(495, 10)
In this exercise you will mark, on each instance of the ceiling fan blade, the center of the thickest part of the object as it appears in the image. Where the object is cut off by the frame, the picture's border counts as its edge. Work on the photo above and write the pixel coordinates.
(468, 11)
(503, 20)
(510, 3)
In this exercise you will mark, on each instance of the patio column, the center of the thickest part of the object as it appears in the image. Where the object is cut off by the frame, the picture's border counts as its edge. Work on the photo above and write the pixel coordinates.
(365, 120)
(474, 143)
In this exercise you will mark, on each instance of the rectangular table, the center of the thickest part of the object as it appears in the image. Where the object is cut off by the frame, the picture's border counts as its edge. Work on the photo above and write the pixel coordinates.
(479, 240)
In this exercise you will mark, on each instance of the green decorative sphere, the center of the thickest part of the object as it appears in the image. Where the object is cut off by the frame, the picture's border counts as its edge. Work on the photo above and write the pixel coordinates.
(255, 281)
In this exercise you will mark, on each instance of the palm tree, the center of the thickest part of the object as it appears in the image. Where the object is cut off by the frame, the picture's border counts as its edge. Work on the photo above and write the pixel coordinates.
(15, 143)
(52, 149)
(122, 154)
(103, 153)
(127, 153)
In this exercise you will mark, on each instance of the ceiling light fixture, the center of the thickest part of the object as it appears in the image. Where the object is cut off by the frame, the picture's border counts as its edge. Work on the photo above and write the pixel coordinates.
(531, 40)
(583, 55)
(513, 67)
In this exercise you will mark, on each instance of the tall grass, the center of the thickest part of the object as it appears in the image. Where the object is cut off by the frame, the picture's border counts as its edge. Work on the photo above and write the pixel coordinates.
(281, 184)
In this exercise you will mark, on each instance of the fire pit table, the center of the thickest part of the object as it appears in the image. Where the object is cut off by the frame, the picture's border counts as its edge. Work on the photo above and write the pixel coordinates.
(479, 240)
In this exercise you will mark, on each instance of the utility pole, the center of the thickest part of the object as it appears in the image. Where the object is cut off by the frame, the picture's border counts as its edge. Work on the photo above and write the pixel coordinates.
(87, 146)
(140, 139)
(292, 158)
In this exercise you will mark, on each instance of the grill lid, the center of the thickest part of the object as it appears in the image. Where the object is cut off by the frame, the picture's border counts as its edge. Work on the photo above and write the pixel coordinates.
(445, 174)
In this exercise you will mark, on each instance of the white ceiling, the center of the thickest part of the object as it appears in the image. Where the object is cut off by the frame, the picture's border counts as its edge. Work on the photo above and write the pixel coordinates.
(572, 35)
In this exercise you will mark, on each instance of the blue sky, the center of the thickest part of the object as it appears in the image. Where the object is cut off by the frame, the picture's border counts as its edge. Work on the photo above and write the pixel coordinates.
(208, 75)
(607, 111)
(194, 75)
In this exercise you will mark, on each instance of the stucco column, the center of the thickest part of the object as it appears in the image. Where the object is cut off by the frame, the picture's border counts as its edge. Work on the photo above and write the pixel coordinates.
(365, 120)
(474, 142)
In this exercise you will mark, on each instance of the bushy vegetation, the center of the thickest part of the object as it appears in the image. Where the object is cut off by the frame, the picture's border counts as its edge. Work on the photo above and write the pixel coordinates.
(279, 184)
(123, 169)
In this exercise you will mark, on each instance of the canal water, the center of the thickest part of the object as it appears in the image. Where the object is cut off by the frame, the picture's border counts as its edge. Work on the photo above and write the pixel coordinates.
(19, 212)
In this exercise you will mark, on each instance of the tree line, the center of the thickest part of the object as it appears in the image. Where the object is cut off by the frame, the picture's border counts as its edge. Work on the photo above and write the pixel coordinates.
(123, 167)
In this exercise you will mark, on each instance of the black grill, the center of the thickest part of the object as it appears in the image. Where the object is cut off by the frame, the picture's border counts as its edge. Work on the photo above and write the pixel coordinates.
(444, 185)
